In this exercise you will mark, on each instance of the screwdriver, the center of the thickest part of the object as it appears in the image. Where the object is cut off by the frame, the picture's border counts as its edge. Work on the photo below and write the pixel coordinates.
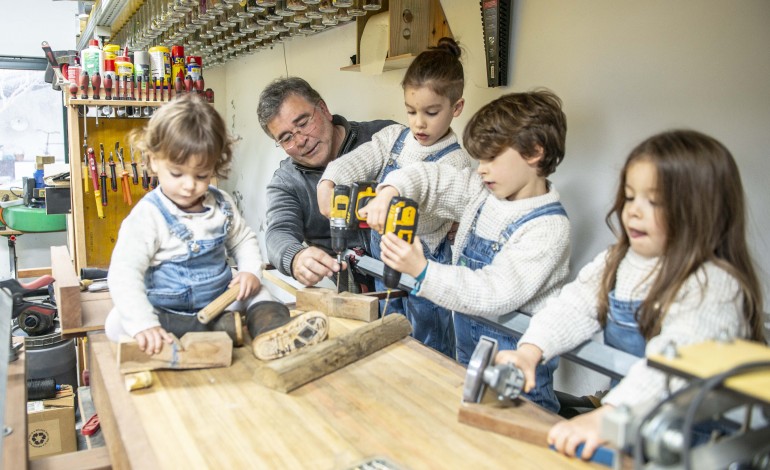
(124, 180)
(113, 179)
(84, 85)
(133, 166)
(103, 177)
(96, 82)
(95, 181)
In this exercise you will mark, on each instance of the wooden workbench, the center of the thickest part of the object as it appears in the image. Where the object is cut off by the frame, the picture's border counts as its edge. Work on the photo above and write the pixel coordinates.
(400, 403)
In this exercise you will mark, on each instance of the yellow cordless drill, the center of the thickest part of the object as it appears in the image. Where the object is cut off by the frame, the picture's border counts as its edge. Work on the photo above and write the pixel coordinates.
(337, 224)
(401, 220)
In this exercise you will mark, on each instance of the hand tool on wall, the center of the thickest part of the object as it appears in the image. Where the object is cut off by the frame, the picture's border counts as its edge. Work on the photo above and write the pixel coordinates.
(135, 178)
(73, 90)
(108, 87)
(103, 176)
(506, 380)
(145, 178)
(126, 186)
(188, 84)
(402, 221)
(153, 182)
(340, 205)
(199, 84)
(209, 95)
(113, 177)
(139, 88)
(179, 85)
(218, 305)
(96, 82)
(95, 181)
(84, 85)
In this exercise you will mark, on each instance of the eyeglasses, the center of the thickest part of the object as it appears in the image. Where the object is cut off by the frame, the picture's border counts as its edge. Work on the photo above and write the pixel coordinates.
(304, 127)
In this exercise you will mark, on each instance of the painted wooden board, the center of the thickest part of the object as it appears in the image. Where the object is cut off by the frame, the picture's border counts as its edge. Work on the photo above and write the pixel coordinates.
(711, 358)
(340, 305)
(399, 402)
(199, 350)
(308, 364)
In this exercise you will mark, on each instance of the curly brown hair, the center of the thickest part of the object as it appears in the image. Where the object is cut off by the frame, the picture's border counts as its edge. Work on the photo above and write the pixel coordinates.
(526, 122)
(187, 127)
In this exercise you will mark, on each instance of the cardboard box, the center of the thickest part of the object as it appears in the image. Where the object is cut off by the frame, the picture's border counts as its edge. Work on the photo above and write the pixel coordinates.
(51, 425)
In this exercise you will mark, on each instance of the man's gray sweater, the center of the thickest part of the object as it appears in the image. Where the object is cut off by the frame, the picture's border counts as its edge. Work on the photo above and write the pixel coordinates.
(292, 203)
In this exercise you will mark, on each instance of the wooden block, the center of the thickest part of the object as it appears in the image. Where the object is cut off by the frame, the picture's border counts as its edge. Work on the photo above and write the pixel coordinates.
(523, 421)
(314, 362)
(97, 458)
(342, 305)
(66, 288)
(201, 350)
(710, 358)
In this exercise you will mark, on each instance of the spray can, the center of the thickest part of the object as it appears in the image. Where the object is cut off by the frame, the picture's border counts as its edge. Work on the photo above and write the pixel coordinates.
(194, 66)
(93, 58)
(177, 62)
(160, 63)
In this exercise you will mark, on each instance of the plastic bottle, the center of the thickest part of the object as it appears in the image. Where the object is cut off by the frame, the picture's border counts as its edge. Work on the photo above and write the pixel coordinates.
(73, 72)
(142, 65)
(160, 63)
(92, 58)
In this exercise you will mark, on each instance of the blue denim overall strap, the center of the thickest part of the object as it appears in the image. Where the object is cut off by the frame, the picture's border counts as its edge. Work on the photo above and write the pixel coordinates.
(189, 282)
(477, 253)
(398, 146)
(622, 329)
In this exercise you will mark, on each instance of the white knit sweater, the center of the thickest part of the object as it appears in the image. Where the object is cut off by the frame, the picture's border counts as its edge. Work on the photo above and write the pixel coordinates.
(530, 267)
(145, 240)
(709, 302)
(368, 161)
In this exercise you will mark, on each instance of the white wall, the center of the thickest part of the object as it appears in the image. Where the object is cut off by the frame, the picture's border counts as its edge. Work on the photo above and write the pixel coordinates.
(625, 71)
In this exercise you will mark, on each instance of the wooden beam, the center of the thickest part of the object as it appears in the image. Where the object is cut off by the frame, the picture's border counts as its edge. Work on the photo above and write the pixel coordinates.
(127, 443)
(267, 274)
(97, 458)
(342, 305)
(15, 451)
(199, 350)
(66, 288)
(313, 362)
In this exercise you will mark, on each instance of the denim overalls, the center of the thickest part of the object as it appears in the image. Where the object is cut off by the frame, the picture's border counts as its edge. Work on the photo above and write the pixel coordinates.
(186, 284)
(431, 324)
(480, 252)
(622, 332)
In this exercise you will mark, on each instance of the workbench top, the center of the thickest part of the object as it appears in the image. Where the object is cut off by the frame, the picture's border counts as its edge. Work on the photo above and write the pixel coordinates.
(400, 403)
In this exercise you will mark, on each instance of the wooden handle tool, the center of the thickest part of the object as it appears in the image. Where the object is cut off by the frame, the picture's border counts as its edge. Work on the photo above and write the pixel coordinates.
(212, 310)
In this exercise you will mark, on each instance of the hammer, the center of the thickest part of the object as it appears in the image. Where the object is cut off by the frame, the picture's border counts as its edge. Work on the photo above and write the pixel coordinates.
(217, 306)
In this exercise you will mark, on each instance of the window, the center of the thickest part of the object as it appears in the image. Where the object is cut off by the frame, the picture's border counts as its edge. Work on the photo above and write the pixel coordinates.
(31, 119)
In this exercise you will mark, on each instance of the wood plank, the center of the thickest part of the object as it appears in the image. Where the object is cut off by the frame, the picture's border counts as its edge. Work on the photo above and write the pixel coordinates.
(710, 358)
(127, 443)
(15, 453)
(94, 308)
(199, 350)
(66, 288)
(32, 272)
(523, 421)
(267, 274)
(340, 305)
(313, 362)
(97, 458)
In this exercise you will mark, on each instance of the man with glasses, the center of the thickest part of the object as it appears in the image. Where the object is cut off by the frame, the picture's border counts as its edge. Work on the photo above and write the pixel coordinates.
(293, 114)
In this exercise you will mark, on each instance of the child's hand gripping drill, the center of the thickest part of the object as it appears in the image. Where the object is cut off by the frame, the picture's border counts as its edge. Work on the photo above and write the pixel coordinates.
(401, 249)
